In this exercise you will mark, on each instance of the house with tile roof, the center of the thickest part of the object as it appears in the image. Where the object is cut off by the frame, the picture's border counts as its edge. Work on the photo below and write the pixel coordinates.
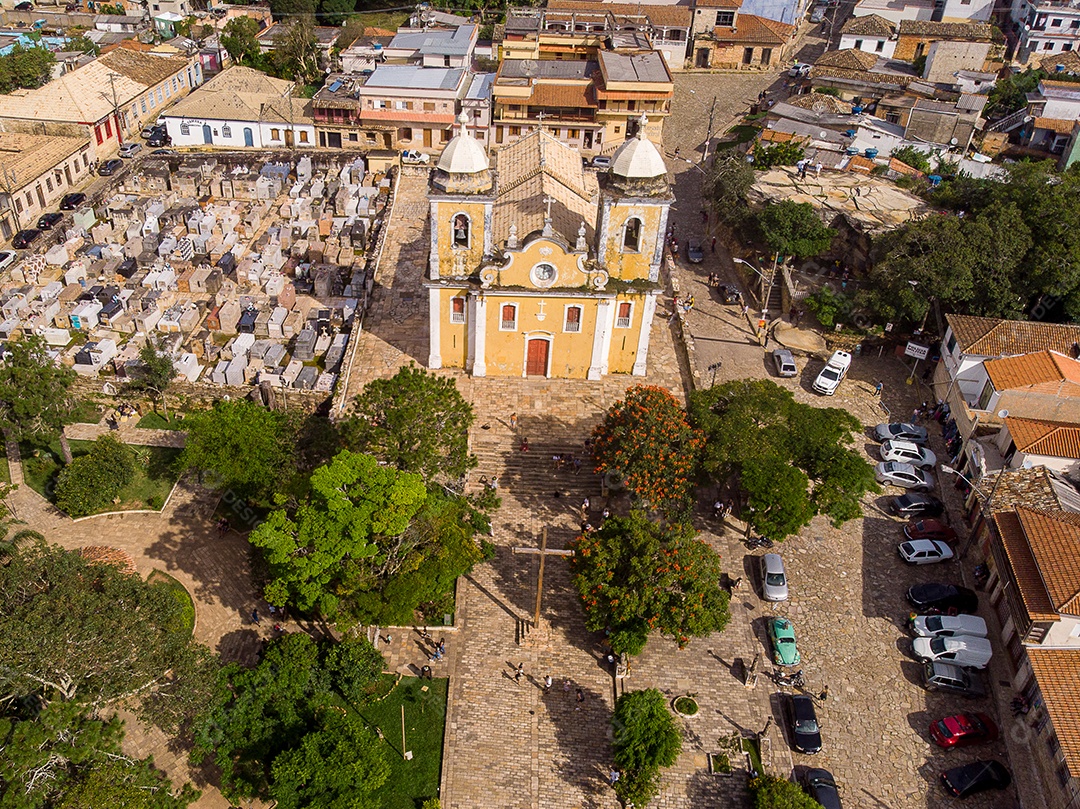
(943, 10)
(667, 26)
(1054, 107)
(540, 267)
(242, 108)
(871, 33)
(740, 40)
(914, 37)
(1054, 718)
(1045, 29)
(41, 169)
(1040, 442)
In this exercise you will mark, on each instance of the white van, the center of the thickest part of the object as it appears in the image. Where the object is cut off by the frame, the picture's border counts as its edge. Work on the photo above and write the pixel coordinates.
(947, 626)
(961, 650)
(833, 373)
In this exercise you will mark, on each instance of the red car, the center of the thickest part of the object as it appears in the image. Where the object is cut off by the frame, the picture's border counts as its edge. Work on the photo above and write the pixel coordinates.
(929, 529)
(963, 729)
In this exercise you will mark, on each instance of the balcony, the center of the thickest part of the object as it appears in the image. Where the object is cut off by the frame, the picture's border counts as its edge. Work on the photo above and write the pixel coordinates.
(550, 116)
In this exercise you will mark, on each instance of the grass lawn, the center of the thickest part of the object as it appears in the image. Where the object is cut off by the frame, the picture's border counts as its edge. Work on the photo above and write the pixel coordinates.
(85, 412)
(156, 421)
(182, 595)
(154, 474)
(411, 782)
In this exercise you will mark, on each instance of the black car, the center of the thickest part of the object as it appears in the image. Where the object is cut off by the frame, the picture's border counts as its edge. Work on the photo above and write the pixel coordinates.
(24, 237)
(164, 152)
(934, 597)
(110, 167)
(805, 732)
(916, 505)
(48, 220)
(72, 201)
(159, 137)
(729, 293)
(26, 5)
(821, 786)
(978, 776)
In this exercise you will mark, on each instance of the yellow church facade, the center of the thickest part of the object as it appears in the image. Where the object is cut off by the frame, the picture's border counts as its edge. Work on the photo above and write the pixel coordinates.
(542, 268)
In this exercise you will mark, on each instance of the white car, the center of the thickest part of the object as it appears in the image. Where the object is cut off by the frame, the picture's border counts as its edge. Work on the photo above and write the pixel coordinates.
(833, 373)
(130, 149)
(800, 70)
(601, 161)
(961, 650)
(6, 258)
(785, 363)
(415, 157)
(908, 452)
(947, 626)
(904, 475)
(925, 551)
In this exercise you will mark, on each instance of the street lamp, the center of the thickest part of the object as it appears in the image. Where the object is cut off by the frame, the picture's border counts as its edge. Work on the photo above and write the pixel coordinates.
(767, 289)
(948, 470)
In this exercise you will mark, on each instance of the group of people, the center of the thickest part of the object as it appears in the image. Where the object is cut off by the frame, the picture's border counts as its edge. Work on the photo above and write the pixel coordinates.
(803, 165)
(722, 508)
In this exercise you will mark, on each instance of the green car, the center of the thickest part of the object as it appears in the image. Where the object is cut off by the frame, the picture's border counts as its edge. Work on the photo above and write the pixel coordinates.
(782, 636)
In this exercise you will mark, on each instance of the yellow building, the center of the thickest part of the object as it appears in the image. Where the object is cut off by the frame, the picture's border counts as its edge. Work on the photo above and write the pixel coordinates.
(541, 267)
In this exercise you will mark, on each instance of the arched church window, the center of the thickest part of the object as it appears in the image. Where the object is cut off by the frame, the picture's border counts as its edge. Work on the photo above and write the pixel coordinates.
(632, 235)
(461, 230)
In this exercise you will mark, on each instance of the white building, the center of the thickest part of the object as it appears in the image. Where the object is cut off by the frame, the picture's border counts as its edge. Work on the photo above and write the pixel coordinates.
(871, 33)
(1045, 28)
(242, 108)
(935, 10)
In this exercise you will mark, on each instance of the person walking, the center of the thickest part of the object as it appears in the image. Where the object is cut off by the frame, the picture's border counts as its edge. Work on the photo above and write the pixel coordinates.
(519, 672)
(877, 388)
(255, 617)
(547, 683)
(513, 421)
(613, 777)
(714, 244)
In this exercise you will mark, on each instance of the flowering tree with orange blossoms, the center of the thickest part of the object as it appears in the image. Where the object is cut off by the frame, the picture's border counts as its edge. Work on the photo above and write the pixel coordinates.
(647, 440)
(636, 577)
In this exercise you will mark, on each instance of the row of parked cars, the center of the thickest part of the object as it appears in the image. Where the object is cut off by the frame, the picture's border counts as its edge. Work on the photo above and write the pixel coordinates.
(26, 237)
(948, 638)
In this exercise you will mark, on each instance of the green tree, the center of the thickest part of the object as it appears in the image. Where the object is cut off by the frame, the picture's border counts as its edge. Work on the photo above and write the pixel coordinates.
(129, 635)
(791, 460)
(416, 421)
(827, 306)
(727, 185)
(334, 12)
(34, 393)
(82, 44)
(290, 9)
(645, 739)
(794, 229)
(913, 157)
(769, 792)
(1009, 94)
(296, 52)
(777, 154)
(243, 445)
(240, 39)
(278, 731)
(354, 665)
(646, 440)
(635, 576)
(355, 503)
(25, 68)
(92, 481)
(155, 369)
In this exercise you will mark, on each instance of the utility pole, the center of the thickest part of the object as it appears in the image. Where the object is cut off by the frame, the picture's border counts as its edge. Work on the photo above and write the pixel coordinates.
(708, 133)
(116, 108)
(767, 294)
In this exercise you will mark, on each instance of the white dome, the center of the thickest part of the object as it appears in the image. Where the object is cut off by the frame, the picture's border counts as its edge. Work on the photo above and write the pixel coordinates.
(638, 158)
(463, 154)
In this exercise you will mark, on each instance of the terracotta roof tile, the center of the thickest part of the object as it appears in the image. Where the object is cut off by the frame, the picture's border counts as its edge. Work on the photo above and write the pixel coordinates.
(1062, 126)
(870, 25)
(968, 31)
(820, 102)
(772, 136)
(1057, 672)
(861, 164)
(561, 95)
(847, 59)
(1042, 371)
(1054, 539)
(758, 30)
(1025, 569)
(675, 16)
(1050, 438)
(1070, 61)
(992, 337)
(900, 167)
(732, 4)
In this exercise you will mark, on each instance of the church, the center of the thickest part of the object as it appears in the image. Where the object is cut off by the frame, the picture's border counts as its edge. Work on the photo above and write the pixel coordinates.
(540, 267)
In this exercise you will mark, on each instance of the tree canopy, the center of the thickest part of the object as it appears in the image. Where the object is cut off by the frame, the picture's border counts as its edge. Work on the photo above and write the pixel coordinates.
(645, 739)
(34, 391)
(240, 39)
(794, 229)
(25, 68)
(416, 421)
(92, 481)
(635, 576)
(769, 792)
(727, 185)
(646, 440)
(281, 731)
(792, 460)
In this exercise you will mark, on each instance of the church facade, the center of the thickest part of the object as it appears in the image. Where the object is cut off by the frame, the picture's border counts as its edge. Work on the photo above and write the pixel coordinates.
(539, 267)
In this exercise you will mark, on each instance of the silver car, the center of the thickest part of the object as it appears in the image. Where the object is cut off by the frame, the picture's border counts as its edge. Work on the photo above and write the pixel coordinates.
(947, 626)
(785, 362)
(904, 475)
(774, 586)
(908, 452)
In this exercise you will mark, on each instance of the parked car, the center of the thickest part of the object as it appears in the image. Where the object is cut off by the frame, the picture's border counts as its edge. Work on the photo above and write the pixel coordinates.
(833, 373)
(414, 157)
(916, 505)
(784, 362)
(694, 252)
(925, 551)
(805, 731)
(821, 786)
(601, 161)
(110, 167)
(6, 258)
(26, 5)
(47, 221)
(818, 14)
(800, 70)
(164, 152)
(978, 776)
(159, 137)
(729, 293)
(72, 201)
(148, 130)
(782, 638)
(902, 431)
(968, 652)
(929, 529)
(963, 729)
(774, 585)
(941, 676)
(130, 149)
(908, 452)
(947, 626)
(903, 475)
(936, 596)
(24, 237)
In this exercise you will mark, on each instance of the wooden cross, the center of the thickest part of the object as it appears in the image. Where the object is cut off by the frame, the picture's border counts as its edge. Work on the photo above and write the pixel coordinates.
(544, 554)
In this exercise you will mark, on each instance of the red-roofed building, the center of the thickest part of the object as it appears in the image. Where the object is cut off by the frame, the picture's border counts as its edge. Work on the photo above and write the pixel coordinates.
(740, 40)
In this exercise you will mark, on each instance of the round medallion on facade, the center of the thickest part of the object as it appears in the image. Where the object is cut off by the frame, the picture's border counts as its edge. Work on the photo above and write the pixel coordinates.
(543, 274)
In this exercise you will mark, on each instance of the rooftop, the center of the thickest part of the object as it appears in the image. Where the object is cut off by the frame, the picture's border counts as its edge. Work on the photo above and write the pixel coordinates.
(1043, 372)
(416, 77)
(664, 15)
(870, 25)
(994, 337)
(435, 41)
(481, 86)
(847, 59)
(1051, 438)
(547, 68)
(1057, 672)
(650, 67)
(968, 31)
(242, 94)
(27, 157)
(749, 28)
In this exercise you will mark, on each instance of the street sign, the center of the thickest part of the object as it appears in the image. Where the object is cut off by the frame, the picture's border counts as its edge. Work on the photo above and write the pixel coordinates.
(917, 350)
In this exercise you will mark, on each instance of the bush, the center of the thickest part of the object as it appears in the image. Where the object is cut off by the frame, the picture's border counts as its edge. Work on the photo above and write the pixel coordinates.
(646, 738)
(775, 793)
(92, 481)
(354, 666)
(911, 156)
(825, 305)
(779, 154)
